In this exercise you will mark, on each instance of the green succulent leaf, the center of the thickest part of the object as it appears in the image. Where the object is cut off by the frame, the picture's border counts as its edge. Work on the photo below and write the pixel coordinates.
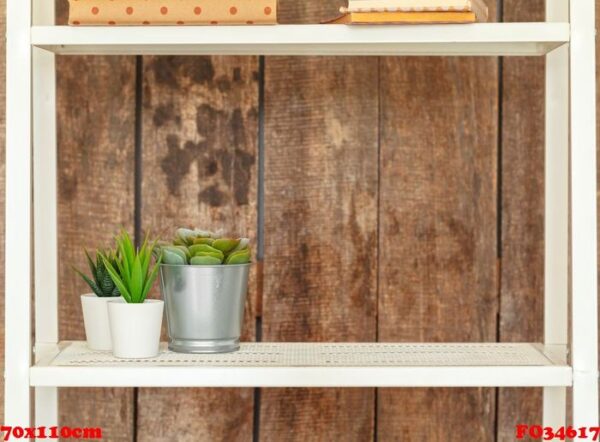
(198, 233)
(126, 252)
(137, 283)
(204, 260)
(89, 282)
(173, 256)
(131, 270)
(203, 248)
(208, 241)
(239, 257)
(185, 251)
(91, 263)
(186, 236)
(106, 283)
(226, 245)
(145, 254)
(100, 281)
(117, 280)
(151, 278)
(243, 244)
(219, 256)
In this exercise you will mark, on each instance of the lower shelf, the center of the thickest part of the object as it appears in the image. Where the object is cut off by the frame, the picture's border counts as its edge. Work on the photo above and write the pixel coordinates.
(72, 364)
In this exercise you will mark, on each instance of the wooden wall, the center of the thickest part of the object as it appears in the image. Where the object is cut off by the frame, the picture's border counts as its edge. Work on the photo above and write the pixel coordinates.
(391, 199)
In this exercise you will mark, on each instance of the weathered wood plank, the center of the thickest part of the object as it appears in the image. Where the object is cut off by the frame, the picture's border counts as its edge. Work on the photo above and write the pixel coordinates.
(320, 227)
(522, 269)
(438, 260)
(96, 109)
(200, 168)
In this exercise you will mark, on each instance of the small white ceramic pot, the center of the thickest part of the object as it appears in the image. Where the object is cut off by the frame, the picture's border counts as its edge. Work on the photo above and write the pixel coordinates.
(135, 328)
(95, 321)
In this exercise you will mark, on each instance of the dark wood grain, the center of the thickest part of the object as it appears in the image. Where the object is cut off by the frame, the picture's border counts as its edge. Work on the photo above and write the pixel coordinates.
(438, 259)
(199, 168)
(522, 269)
(320, 227)
(96, 110)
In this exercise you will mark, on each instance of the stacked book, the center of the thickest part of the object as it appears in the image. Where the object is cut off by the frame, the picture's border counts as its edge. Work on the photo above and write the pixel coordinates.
(172, 12)
(413, 11)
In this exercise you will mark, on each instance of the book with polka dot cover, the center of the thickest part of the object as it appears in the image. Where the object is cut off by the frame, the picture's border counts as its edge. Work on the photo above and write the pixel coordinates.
(171, 12)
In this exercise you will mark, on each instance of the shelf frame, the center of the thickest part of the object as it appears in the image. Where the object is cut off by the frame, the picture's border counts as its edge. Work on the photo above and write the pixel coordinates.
(584, 241)
(71, 364)
(556, 216)
(567, 40)
(473, 39)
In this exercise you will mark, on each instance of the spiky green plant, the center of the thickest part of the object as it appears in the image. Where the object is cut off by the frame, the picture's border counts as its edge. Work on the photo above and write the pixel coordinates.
(133, 272)
(201, 247)
(101, 283)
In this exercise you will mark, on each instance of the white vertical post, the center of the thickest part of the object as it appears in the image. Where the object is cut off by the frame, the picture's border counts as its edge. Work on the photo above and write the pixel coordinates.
(583, 206)
(556, 235)
(17, 399)
(45, 210)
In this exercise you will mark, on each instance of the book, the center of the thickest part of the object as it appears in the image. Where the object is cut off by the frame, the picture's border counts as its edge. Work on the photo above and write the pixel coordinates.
(404, 18)
(180, 12)
(476, 6)
(416, 5)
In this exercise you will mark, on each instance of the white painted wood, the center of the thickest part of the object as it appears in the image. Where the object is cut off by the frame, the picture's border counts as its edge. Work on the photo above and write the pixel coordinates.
(583, 222)
(45, 228)
(555, 407)
(472, 39)
(46, 406)
(556, 235)
(45, 187)
(18, 215)
(312, 365)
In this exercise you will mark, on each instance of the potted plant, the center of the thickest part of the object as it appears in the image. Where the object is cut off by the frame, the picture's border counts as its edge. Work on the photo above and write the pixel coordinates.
(136, 323)
(204, 280)
(94, 305)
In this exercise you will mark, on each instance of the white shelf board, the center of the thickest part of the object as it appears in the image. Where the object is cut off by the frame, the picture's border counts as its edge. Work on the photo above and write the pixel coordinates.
(72, 364)
(472, 39)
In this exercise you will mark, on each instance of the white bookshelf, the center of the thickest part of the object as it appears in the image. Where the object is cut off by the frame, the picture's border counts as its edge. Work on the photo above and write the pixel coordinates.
(566, 40)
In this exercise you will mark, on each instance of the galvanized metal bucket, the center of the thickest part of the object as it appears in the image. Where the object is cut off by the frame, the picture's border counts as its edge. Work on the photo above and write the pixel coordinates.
(204, 306)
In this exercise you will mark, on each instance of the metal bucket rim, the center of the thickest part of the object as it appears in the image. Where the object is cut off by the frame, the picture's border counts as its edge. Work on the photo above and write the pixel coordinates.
(219, 266)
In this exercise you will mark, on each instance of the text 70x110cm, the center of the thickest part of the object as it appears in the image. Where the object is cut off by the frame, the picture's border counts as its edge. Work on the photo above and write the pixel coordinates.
(9, 433)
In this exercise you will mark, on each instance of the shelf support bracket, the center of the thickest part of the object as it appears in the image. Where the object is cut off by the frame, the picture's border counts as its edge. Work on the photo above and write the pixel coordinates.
(583, 214)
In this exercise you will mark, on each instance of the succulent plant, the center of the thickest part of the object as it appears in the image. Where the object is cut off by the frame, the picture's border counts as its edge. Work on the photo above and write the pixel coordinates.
(132, 271)
(202, 247)
(101, 283)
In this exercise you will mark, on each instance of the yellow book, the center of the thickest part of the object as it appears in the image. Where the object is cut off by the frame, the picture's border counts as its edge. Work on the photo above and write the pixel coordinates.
(405, 17)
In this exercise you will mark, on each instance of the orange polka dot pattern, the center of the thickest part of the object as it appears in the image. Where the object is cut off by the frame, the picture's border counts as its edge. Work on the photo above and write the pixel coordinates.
(172, 12)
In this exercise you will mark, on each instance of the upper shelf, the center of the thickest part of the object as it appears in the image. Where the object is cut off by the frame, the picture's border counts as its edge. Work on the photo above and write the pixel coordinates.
(474, 39)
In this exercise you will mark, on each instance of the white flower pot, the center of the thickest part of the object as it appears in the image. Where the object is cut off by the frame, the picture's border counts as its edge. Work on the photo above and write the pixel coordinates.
(135, 328)
(95, 321)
